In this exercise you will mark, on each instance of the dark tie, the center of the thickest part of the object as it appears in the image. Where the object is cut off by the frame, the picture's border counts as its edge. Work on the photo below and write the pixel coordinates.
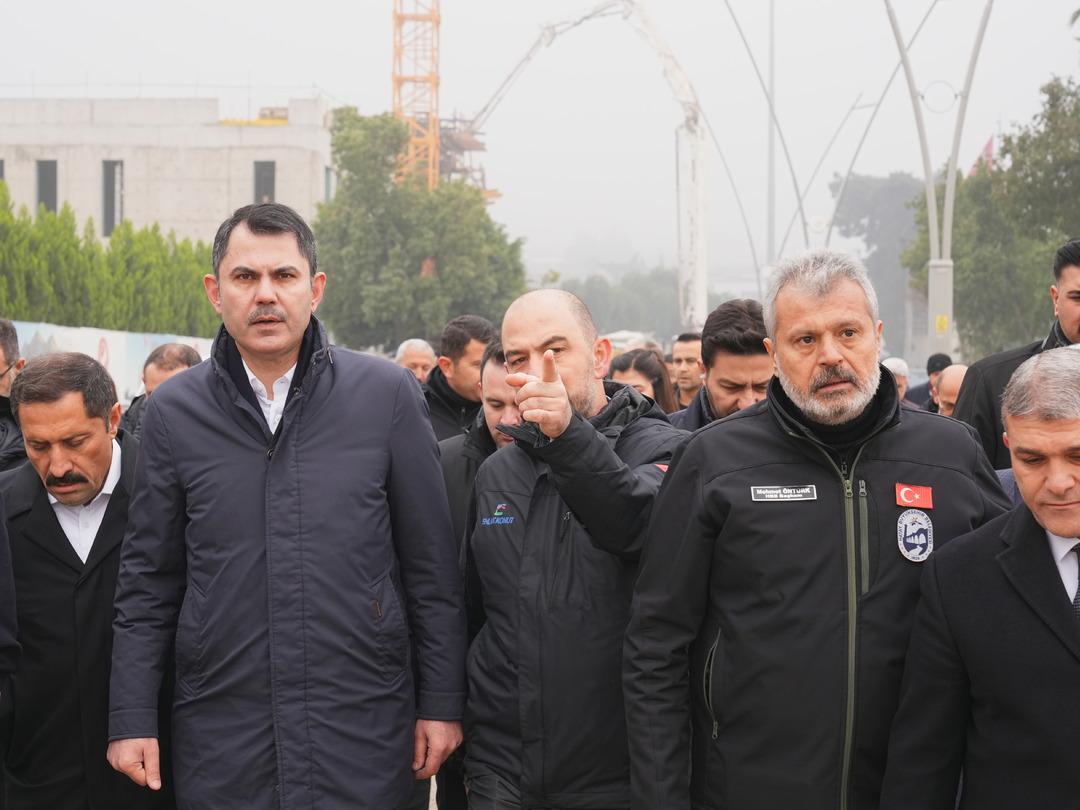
(1076, 599)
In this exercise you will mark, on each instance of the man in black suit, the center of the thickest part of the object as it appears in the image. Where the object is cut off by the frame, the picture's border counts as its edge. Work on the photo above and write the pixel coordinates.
(990, 685)
(65, 516)
(979, 402)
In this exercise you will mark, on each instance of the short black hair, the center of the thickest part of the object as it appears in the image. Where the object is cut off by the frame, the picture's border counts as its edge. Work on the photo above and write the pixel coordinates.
(688, 337)
(266, 218)
(9, 341)
(171, 356)
(1068, 255)
(461, 331)
(52, 376)
(937, 362)
(494, 351)
(735, 327)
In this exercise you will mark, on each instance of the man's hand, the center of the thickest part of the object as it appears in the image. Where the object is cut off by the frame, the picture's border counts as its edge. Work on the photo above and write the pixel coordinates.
(435, 741)
(139, 759)
(543, 402)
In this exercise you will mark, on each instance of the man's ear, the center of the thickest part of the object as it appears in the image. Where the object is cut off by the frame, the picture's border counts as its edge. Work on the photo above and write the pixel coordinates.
(602, 352)
(1005, 438)
(447, 365)
(213, 291)
(113, 422)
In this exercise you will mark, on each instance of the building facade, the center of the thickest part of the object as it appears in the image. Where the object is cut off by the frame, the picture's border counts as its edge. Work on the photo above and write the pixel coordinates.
(168, 161)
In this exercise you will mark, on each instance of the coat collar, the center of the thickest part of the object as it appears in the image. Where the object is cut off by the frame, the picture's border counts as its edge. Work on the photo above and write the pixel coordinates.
(1030, 568)
(28, 508)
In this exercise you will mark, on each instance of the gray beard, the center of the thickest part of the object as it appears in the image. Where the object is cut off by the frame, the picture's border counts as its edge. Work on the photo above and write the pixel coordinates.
(837, 410)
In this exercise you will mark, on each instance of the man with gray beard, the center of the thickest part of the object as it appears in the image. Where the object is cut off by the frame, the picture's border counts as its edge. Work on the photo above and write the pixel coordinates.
(781, 570)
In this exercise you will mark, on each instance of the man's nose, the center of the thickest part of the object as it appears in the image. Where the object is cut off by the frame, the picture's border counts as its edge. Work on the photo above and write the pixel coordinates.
(1062, 479)
(59, 463)
(266, 292)
(829, 352)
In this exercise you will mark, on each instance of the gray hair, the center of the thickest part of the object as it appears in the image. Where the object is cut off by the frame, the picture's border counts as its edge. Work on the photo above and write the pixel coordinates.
(1045, 387)
(897, 365)
(410, 345)
(816, 272)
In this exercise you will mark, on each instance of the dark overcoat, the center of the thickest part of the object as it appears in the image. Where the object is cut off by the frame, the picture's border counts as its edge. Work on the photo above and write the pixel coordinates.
(289, 570)
(57, 737)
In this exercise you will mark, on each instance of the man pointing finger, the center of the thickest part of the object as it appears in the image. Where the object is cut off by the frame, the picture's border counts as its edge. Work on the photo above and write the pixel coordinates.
(551, 555)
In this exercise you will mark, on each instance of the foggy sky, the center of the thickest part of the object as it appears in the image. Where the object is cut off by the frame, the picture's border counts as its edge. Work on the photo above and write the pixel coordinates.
(582, 150)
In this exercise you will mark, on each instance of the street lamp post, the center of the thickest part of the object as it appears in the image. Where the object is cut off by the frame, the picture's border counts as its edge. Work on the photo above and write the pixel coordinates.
(940, 276)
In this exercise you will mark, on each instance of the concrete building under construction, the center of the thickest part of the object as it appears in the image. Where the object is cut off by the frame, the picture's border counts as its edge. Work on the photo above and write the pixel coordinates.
(174, 162)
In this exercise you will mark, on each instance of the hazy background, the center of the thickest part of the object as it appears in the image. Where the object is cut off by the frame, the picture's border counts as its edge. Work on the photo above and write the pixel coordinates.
(582, 150)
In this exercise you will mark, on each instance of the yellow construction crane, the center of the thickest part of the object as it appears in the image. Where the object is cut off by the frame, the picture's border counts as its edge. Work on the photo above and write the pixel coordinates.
(416, 85)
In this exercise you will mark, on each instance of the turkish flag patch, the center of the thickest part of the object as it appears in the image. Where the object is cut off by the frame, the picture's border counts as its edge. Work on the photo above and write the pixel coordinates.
(661, 467)
(910, 495)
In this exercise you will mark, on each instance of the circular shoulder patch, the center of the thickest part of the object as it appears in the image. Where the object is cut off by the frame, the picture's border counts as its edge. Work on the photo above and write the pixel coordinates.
(915, 535)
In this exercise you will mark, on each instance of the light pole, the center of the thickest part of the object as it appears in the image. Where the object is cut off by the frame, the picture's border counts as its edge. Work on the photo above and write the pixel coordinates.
(940, 275)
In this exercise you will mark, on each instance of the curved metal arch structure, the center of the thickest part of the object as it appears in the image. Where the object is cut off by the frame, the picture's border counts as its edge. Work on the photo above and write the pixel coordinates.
(690, 147)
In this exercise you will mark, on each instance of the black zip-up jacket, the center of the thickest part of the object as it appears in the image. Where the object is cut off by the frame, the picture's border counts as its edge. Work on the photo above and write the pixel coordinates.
(550, 566)
(12, 449)
(461, 458)
(696, 415)
(451, 414)
(979, 400)
(772, 613)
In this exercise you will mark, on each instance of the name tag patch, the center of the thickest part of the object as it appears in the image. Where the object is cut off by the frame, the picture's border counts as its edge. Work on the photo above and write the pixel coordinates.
(795, 492)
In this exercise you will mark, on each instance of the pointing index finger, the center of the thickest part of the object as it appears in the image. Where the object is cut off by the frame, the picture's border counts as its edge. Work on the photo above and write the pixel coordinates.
(551, 371)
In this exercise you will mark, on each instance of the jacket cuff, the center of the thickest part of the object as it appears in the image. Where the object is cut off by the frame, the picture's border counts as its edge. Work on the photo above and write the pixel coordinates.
(127, 724)
(447, 706)
(567, 448)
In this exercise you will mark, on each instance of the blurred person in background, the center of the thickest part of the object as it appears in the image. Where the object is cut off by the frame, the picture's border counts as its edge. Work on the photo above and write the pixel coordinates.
(164, 362)
(898, 367)
(644, 370)
(979, 402)
(686, 358)
(949, 385)
(923, 395)
(417, 356)
(452, 389)
(12, 452)
(734, 364)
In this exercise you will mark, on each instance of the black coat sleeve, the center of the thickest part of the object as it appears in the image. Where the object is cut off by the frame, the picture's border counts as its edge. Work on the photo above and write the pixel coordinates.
(427, 556)
(926, 745)
(610, 498)
(670, 600)
(150, 584)
(9, 645)
(977, 405)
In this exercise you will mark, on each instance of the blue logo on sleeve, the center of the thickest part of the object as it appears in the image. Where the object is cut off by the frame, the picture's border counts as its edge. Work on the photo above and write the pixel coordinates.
(499, 518)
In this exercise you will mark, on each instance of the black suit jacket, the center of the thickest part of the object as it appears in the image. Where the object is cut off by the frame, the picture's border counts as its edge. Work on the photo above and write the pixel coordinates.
(54, 751)
(992, 680)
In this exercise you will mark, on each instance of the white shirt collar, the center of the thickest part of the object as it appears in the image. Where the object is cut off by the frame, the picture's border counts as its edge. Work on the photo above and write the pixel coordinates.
(282, 383)
(111, 480)
(1061, 546)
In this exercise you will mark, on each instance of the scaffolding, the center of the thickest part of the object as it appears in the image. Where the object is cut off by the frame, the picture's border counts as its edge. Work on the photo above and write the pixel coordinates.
(416, 86)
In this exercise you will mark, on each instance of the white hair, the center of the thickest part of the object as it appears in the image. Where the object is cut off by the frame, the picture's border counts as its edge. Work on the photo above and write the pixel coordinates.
(413, 344)
(897, 365)
(1046, 387)
(816, 272)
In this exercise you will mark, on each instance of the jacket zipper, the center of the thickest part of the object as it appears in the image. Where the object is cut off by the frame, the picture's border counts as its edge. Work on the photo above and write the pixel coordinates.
(707, 678)
(853, 591)
(564, 529)
(864, 537)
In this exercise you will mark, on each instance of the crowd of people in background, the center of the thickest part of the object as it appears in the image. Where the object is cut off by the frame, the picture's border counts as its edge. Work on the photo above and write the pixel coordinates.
(763, 571)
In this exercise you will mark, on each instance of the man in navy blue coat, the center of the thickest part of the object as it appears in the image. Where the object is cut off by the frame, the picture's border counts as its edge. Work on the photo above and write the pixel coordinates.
(289, 538)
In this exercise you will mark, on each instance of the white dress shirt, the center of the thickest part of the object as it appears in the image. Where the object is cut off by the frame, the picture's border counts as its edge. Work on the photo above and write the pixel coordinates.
(81, 523)
(1061, 549)
(271, 408)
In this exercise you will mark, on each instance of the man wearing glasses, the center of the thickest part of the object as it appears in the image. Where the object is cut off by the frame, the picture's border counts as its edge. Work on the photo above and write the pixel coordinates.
(12, 452)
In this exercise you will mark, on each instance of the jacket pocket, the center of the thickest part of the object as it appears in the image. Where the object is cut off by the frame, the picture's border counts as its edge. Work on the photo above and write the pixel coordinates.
(711, 680)
(189, 637)
(392, 631)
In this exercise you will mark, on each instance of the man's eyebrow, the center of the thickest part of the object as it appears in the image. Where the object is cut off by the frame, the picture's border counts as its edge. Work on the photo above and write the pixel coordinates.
(554, 339)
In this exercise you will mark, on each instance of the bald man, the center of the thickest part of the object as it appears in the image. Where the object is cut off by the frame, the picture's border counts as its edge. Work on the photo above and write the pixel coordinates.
(948, 388)
(545, 714)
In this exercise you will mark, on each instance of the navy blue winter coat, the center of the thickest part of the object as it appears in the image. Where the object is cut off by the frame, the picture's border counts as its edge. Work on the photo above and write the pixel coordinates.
(289, 571)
